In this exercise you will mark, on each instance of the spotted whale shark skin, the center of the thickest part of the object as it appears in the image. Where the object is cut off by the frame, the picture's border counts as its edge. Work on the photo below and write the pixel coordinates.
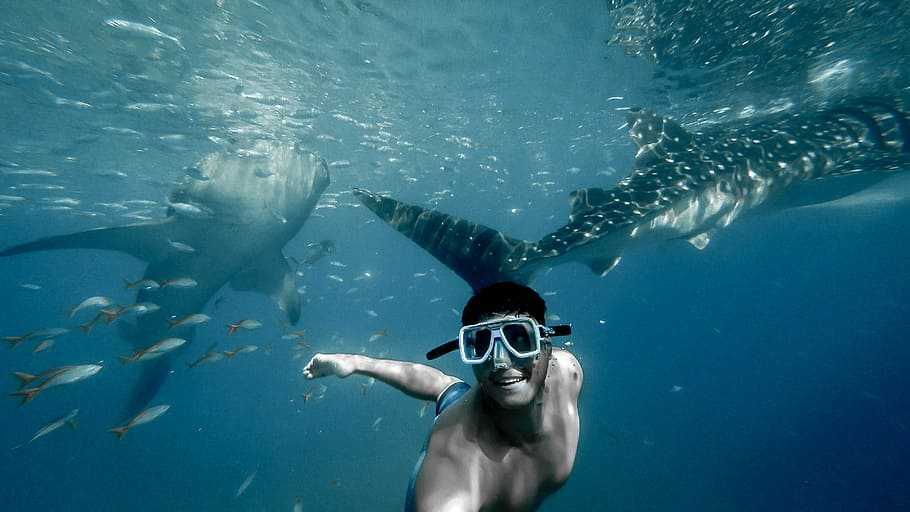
(247, 218)
(685, 185)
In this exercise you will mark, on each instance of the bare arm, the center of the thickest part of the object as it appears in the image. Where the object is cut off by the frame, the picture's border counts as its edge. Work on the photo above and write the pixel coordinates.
(416, 380)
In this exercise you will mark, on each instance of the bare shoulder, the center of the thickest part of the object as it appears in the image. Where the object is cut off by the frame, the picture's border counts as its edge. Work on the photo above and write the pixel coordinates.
(569, 366)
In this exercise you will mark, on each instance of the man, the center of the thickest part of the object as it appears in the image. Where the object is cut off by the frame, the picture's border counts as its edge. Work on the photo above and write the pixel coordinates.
(507, 443)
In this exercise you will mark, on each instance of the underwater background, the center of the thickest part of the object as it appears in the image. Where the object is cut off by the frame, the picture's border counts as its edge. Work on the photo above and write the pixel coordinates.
(767, 372)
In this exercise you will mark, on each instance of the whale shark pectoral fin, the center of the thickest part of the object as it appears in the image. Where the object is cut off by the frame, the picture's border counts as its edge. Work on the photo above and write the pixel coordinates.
(478, 254)
(145, 241)
(656, 137)
(603, 266)
(273, 277)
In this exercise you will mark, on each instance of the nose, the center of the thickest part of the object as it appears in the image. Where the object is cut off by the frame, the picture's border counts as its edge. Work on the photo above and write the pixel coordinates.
(501, 357)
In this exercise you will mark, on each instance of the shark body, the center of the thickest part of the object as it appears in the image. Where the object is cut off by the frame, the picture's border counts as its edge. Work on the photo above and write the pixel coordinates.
(235, 219)
(684, 186)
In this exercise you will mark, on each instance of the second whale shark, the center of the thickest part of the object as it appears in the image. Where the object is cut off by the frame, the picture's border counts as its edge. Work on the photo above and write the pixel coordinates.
(228, 225)
(685, 185)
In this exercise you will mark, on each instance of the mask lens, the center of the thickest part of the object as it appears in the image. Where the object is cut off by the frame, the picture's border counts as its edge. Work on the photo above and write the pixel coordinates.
(477, 342)
(519, 336)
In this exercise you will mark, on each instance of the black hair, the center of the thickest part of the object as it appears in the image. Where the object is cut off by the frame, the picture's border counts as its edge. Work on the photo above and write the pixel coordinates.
(504, 297)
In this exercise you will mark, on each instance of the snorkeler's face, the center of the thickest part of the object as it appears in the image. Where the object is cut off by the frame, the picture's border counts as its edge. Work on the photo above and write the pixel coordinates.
(512, 382)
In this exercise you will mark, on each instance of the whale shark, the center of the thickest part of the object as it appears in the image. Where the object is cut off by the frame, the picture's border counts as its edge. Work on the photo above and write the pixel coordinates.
(228, 224)
(685, 185)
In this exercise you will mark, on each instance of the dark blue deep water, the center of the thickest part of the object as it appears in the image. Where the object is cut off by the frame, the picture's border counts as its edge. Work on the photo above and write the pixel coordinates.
(766, 372)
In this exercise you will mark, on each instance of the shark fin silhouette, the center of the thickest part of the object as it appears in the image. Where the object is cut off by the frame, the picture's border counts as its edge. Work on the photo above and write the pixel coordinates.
(272, 276)
(478, 254)
(146, 241)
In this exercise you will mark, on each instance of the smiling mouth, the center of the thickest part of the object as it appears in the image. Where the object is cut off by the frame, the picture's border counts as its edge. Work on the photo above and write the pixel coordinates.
(505, 382)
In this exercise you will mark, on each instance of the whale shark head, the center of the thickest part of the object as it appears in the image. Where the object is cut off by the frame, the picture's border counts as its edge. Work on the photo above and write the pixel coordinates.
(268, 185)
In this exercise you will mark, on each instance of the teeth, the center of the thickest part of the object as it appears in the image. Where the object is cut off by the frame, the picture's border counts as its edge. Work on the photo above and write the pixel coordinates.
(506, 382)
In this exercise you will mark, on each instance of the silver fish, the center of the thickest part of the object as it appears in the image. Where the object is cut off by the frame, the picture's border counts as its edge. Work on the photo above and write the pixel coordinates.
(143, 284)
(210, 356)
(155, 350)
(246, 483)
(246, 349)
(247, 325)
(143, 417)
(44, 345)
(189, 320)
(53, 377)
(140, 29)
(97, 301)
(180, 282)
(67, 419)
(181, 247)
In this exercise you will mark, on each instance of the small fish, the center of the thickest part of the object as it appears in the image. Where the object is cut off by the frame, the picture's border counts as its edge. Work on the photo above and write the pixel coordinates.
(246, 349)
(337, 264)
(97, 301)
(154, 350)
(67, 419)
(88, 326)
(333, 277)
(53, 377)
(140, 308)
(376, 423)
(191, 211)
(143, 417)
(435, 300)
(210, 356)
(378, 334)
(387, 298)
(52, 332)
(246, 483)
(143, 284)
(29, 286)
(676, 389)
(180, 282)
(365, 275)
(247, 325)
(14, 341)
(181, 247)
(367, 385)
(316, 392)
(315, 251)
(44, 345)
(189, 320)
(141, 29)
(372, 313)
(423, 408)
(293, 335)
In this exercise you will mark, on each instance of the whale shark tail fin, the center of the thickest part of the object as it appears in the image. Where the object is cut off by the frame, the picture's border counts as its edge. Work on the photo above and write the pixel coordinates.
(144, 241)
(478, 254)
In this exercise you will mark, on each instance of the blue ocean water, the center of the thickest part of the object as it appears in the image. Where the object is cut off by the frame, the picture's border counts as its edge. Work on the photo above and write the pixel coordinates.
(766, 372)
